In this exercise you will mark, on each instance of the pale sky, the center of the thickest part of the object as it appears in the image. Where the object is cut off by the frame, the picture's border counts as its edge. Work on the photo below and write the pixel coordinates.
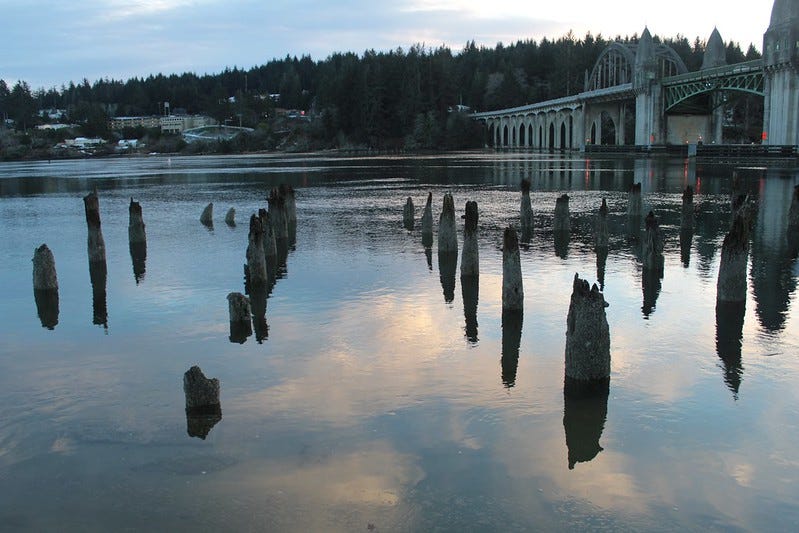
(50, 42)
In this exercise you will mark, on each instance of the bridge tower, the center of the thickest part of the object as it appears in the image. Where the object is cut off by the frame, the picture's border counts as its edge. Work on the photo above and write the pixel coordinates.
(649, 128)
(781, 65)
(715, 56)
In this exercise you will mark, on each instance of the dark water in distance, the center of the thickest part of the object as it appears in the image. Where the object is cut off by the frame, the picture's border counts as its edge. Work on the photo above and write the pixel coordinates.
(389, 396)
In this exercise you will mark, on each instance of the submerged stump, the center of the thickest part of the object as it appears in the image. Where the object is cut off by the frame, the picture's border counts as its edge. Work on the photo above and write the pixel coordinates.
(136, 233)
(470, 257)
(512, 289)
(45, 286)
(447, 229)
(587, 341)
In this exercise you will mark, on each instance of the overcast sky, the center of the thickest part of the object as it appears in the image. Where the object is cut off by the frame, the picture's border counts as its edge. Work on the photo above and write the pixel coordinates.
(50, 42)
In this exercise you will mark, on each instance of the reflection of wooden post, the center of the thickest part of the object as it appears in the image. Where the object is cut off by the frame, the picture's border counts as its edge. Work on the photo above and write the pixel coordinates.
(587, 340)
(447, 230)
(470, 258)
(634, 209)
(583, 422)
(511, 341)
(207, 216)
(731, 286)
(427, 222)
(408, 214)
(512, 289)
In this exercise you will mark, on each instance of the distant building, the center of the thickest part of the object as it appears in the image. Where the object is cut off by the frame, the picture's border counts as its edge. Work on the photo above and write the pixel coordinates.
(53, 126)
(120, 123)
(176, 124)
(52, 113)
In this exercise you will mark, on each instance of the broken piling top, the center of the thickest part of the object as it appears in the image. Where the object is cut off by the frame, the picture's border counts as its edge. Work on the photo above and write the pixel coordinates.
(512, 289)
(207, 216)
(447, 230)
(651, 222)
(587, 335)
(653, 244)
(270, 244)
(526, 210)
(290, 199)
(201, 392)
(230, 217)
(562, 222)
(256, 258)
(737, 239)
(603, 209)
(278, 214)
(408, 214)
(91, 204)
(44, 272)
(134, 210)
(427, 215)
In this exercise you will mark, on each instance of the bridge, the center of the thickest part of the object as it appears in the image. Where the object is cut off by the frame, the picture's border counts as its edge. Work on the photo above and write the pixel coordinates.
(649, 84)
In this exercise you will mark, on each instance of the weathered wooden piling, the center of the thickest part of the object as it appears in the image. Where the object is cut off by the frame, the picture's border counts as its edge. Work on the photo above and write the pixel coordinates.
(732, 281)
(587, 341)
(278, 214)
(45, 286)
(687, 214)
(137, 240)
(44, 271)
(290, 202)
(270, 243)
(512, 289)
(203, 408)
(447, 229)
(240, 317)
(136, 233)
(601, 227)
(427, 222)
(408, 214)
(652, 247)
(256, 259)
(95, 242)
(470, 256)
(526, 211)
(562, 222)
(230, 217)
(207, 216)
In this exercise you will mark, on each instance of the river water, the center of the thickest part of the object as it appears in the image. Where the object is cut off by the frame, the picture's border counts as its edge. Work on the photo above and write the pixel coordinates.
(386, 394)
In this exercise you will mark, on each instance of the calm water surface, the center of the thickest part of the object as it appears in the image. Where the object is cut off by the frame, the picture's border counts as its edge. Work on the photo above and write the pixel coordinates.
(388, 395)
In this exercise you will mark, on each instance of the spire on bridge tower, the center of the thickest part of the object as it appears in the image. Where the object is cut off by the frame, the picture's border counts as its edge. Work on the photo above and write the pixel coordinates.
(780, 61)
(715, 51)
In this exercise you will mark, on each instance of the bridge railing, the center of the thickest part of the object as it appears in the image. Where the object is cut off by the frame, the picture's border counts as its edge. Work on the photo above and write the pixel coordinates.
(746, 67)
